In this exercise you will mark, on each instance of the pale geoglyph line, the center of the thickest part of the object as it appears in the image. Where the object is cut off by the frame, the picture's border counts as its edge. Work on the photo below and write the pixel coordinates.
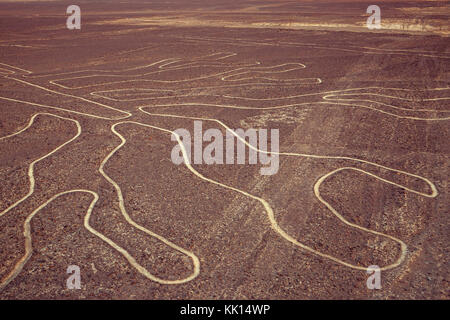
(100, 71)
(162, 65)
(295, 105)
(27, 224)
(224, 75)
(29, 247)
(127, 114)
(61, 109)
(329, 93)
(327, 96)
(260, 84)
(428, 182)
(330, 98)
(357, 49)
(6, 71)
(32, 164)
(123, 210)
(18, 267)
(433, 188)
(27, 231)
(326, 93)
(16, 68)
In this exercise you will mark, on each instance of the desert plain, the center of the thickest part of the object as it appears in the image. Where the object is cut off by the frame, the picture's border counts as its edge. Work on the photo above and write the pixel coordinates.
(86, 132)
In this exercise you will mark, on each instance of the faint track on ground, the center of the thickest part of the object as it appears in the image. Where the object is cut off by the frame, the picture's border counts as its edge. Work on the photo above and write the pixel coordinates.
(253, 72)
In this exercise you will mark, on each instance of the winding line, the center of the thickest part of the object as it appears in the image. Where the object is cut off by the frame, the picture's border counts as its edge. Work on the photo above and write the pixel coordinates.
(62, 109)
(27, 228)
(432, 186)
(270, 212)
(330, 97)
(261, 84)
(31, 166)
(240, 41)
(162, 65)
(299, 105)
(128, 114)
(123, 210)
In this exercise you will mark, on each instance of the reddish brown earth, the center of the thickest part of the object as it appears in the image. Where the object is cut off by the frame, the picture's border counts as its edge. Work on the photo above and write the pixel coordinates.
(382, 98)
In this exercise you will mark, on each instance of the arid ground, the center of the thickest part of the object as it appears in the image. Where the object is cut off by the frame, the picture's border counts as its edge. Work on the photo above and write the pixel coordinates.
(86, 122)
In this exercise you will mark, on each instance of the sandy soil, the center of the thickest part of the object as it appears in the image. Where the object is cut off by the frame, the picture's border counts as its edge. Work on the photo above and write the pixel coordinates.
(86, 118)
